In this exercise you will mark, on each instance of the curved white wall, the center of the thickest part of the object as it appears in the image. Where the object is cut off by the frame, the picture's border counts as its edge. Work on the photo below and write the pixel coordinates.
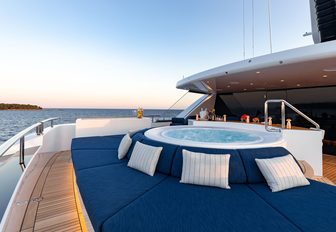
(58, 138)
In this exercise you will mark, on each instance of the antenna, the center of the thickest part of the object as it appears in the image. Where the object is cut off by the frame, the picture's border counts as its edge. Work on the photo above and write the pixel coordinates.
(269, 25)
(252, 28)
(244, 54)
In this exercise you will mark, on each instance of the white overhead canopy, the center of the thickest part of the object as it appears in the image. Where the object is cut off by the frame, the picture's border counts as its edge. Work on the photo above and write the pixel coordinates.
(310, 66)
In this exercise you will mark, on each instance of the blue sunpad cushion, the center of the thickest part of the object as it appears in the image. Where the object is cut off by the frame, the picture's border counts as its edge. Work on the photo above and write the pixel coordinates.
(310, 208)
(83, 159)
(106, 190)
(236, 172)
(96, 142)
(172, 206)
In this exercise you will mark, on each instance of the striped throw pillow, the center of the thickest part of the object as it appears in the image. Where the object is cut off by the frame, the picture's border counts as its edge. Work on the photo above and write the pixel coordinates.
(124, 146)
(281, 173)
(205, 169)
(144, 158)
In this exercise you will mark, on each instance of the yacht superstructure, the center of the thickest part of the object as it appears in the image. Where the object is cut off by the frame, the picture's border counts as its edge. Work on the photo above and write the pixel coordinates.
(71, 166)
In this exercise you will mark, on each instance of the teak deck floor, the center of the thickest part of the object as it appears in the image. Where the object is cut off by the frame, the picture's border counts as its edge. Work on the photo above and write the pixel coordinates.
(53, 205)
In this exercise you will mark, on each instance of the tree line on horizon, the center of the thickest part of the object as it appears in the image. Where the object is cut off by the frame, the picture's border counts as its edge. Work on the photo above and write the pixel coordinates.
(5, 106)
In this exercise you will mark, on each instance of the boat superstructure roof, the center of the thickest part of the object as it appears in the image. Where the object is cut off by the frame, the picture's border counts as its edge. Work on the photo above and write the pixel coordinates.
(309, 66)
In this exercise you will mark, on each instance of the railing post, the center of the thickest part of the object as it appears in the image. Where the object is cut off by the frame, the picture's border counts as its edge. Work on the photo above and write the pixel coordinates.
(52, 123)
(39, 129)
(266, 114)
(283, 115)
(22, 150)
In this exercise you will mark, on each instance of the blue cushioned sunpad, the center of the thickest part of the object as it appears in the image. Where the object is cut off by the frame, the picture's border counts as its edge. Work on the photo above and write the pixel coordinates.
(107, 189)
(311, 208)
(172, 206)
(236, 173)
(93, 158)
(97, 142)
(248, 157)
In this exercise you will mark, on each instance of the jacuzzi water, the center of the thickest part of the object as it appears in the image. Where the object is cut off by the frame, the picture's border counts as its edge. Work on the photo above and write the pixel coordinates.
(212, 135)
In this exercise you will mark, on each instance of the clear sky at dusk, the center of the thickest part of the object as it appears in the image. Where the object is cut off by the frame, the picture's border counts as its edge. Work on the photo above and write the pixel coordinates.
(125, 54)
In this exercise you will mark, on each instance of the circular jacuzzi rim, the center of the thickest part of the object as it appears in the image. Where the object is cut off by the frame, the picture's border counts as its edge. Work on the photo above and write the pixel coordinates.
(267, 139)
(260, 139)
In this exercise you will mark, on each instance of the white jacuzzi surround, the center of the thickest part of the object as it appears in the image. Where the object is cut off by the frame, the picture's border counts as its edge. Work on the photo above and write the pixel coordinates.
(303, 144)
(264, 139)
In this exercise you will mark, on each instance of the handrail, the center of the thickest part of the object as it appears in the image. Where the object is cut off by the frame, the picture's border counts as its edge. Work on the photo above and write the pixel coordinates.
(284, 103)
(21, 136)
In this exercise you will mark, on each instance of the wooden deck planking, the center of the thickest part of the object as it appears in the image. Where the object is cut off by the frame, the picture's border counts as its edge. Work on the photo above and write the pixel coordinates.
(329, 167)
(55, 207)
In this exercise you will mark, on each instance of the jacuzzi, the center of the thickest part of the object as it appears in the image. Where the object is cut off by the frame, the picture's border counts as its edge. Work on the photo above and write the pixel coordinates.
(215, 137)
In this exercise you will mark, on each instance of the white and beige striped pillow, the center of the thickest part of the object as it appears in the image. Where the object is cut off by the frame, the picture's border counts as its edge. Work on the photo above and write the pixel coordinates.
(205, 169)
(124, 146)
(281, 173)
(144, 158)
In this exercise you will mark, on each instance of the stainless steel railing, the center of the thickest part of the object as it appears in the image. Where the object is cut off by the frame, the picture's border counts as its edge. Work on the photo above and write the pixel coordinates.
(283, 115)
(39, 127)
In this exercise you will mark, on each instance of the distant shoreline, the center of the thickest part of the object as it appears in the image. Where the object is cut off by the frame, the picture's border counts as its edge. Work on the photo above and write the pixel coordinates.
(4, 106)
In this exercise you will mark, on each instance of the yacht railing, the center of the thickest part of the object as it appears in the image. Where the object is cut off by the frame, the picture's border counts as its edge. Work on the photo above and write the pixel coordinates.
(283, 115)
(39, 127)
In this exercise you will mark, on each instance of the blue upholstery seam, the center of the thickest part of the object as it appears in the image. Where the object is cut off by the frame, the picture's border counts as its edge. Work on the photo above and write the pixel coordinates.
(172, 161)
(243, 165)
(94, 149)
(104, 165)
(110, 216)
(289, 220)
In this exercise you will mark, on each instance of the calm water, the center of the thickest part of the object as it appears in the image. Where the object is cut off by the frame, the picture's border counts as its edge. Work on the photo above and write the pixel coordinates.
(212, 135)
(11, 122)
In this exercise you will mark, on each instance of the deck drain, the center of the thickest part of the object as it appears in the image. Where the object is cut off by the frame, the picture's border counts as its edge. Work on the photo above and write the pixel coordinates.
(19, 203)
(37, 199)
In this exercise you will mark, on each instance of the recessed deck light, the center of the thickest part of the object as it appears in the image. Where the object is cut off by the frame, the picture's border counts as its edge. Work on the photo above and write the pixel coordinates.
(282, 80)
(229, 86)
(257, 72)
(244, 89)
(251, 84)
(325, 76)
(298, 85)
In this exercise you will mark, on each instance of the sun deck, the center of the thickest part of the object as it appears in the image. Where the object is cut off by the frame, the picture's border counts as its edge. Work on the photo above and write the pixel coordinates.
(55, 205)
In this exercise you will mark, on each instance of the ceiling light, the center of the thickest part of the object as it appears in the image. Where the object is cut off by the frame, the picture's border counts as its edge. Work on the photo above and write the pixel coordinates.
(331, 69)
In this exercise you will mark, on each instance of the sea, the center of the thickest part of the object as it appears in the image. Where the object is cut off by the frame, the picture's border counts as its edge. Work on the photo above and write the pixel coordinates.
(13, 121)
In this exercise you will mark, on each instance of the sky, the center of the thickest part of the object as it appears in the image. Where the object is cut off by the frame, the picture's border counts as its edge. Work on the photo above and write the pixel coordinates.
(129, 53)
